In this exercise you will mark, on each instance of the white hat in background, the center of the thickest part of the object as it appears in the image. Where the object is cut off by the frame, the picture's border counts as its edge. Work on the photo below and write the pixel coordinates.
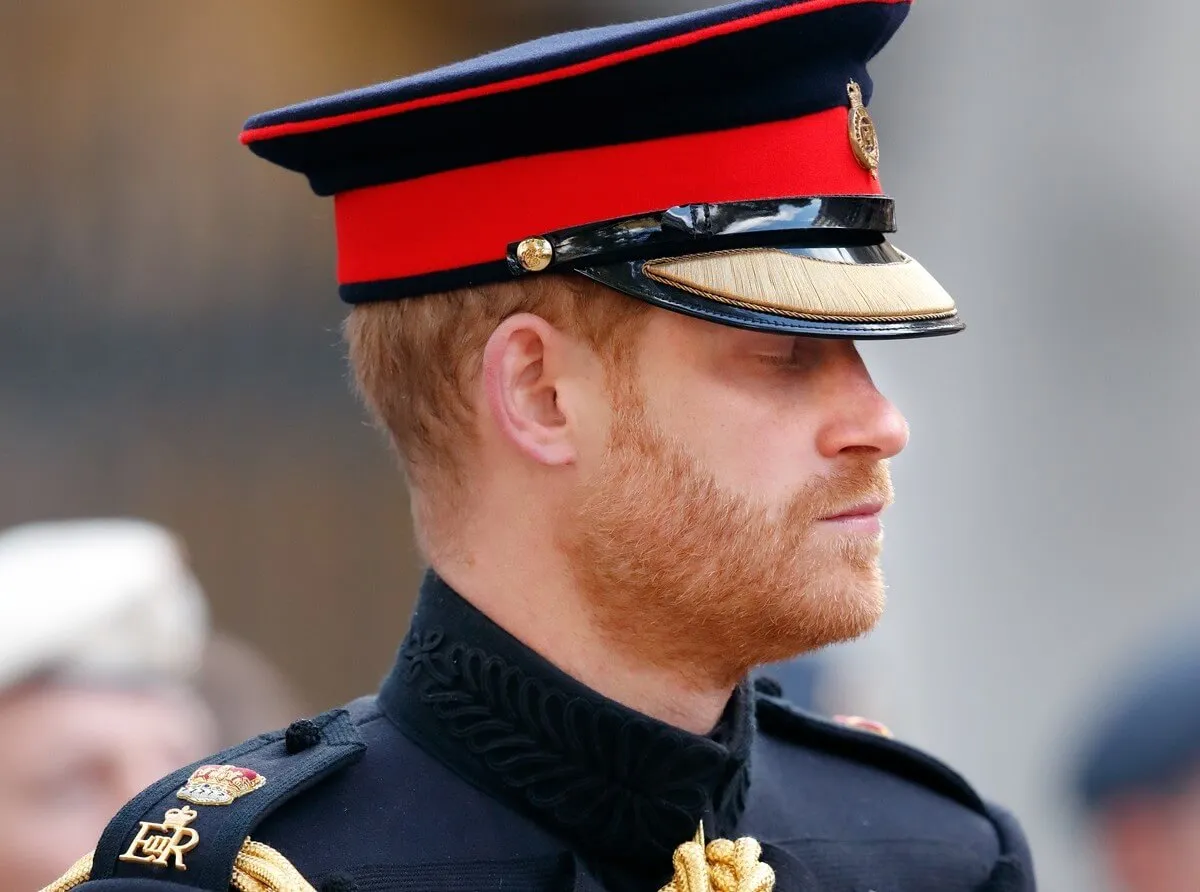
(98, 601)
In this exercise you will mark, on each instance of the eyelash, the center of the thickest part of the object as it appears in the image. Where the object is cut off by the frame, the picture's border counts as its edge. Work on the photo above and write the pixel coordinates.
(796, 361)
(790, 361)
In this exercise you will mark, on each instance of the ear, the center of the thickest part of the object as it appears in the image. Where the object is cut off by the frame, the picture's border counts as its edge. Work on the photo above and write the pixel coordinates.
(522, 362)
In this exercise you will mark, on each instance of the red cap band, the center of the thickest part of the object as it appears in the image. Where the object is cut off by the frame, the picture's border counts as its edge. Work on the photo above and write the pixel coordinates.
(415, 227)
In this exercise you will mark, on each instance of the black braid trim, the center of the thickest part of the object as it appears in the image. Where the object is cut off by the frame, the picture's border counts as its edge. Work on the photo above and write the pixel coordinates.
(608, 774)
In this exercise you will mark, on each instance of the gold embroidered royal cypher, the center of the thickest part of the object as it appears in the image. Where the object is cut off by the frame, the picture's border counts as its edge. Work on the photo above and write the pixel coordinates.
(160, 844)
(258, 868)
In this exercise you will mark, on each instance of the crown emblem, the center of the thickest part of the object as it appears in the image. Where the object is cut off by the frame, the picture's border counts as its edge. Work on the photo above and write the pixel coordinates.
(864, 139)
(179, 817)
(219, 784)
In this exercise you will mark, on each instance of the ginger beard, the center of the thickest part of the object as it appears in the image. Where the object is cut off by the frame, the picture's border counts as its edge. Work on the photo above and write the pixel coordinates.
(683, 574)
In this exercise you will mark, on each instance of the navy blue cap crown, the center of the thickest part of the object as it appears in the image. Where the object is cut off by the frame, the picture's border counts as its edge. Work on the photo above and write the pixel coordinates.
(743, 63)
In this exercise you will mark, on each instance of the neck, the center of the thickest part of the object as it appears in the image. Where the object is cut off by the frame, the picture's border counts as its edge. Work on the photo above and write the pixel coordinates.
(515, 726)
(537, 602)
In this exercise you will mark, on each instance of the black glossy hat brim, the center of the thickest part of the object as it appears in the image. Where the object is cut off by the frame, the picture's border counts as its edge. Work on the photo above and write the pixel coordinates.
(629, 277)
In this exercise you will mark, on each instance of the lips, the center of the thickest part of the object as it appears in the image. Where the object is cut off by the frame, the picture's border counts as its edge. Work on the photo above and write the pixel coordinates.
(866, 509)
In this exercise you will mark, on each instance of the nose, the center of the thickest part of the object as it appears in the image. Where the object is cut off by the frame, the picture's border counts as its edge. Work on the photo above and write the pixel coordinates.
(860, 420)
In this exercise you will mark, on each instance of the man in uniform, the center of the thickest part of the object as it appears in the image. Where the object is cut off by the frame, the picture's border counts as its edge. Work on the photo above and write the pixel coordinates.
(607, 289)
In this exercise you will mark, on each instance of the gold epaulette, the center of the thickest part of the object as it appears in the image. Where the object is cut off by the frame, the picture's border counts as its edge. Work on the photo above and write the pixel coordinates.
(258, 868)
(80, 873)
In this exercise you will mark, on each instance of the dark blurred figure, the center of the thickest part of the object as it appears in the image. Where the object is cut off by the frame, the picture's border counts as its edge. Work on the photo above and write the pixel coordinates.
(1139, 778)
(800, 680)
(106, 628)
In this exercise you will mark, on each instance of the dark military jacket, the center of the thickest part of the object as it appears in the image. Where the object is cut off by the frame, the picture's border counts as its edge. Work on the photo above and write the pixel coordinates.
(479, 766)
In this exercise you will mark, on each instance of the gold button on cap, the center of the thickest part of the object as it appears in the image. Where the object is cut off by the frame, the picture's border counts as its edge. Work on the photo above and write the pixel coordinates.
(535, 254)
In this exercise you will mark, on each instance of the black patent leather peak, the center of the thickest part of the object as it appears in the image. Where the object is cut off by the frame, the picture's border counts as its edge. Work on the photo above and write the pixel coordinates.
(839, 220)
(852, 227)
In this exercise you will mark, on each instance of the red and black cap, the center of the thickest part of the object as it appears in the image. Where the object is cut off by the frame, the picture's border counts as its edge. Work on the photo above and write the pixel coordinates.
(719, 163)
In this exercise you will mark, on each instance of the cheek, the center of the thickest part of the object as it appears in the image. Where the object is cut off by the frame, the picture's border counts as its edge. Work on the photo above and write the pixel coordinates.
(752, 442)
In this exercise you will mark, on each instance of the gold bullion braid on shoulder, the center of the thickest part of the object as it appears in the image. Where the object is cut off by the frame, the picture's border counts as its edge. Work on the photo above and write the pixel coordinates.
(259, 868)
(721, 866)
(80, 873)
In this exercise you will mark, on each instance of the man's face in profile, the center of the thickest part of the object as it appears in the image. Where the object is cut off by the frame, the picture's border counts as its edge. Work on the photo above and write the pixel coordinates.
(738, 496)
(71, 756)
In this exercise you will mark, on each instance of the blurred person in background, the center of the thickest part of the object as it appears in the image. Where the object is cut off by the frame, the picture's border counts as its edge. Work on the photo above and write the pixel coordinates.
(105, 630)
(800, 680)
(1139, 775)
(246, 692)
(110, 676)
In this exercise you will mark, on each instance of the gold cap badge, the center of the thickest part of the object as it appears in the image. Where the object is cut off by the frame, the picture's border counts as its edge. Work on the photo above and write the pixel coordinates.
(219, 784)
(864, 139)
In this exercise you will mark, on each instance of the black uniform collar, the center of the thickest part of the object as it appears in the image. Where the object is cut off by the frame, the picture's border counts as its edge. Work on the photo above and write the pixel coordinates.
(612, 782)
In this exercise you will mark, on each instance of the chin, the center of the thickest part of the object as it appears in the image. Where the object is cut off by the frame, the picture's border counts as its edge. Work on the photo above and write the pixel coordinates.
(857, 609)
(866, 605)
(846, 604)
